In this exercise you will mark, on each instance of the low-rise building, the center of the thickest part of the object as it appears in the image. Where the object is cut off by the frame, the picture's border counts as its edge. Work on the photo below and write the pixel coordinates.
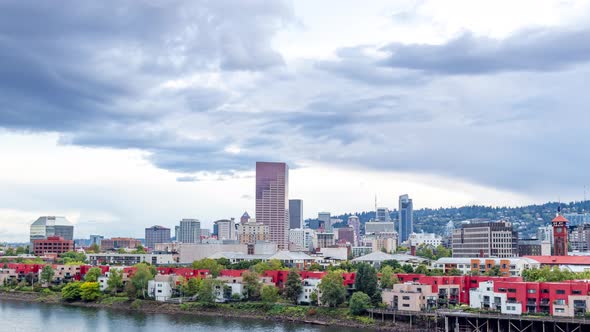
(52, 245)
(410, 297)
(430, 239)
(508, 267)
(252, 232)
(377, 257)
(484, 297)
(130, 259)
(119, 243)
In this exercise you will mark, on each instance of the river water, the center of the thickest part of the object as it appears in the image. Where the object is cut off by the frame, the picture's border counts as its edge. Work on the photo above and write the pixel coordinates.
(31, 317)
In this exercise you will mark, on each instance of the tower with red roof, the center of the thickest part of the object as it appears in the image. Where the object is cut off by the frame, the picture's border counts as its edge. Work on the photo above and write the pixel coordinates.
(559, 235)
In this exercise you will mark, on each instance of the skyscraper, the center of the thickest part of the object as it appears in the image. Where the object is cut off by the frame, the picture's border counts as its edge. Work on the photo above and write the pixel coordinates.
(382, 214)
(226, 229)
(156, 234)
(324, 218)
(295, 213)
(272, 200)
(406, 217)
(189, 231)
(47, 226)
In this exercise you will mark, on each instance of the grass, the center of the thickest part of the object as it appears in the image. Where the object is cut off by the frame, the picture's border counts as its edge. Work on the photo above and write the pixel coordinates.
(114, 299)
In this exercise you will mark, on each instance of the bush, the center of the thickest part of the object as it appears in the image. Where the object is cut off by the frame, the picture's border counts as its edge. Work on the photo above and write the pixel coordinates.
(90, 291)
(359, 303)
(184, 306)
(45, 292)
(136, 304)
(269, 294)
(312, 312)
(71, 291)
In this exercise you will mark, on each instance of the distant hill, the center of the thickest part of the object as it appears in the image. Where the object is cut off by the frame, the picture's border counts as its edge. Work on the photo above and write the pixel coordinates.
(526, 219)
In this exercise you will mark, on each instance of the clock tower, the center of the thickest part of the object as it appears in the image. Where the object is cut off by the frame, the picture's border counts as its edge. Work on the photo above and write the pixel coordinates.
(559, 236)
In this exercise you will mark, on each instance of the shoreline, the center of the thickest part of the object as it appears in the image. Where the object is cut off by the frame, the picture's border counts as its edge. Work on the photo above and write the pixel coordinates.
(195, 309)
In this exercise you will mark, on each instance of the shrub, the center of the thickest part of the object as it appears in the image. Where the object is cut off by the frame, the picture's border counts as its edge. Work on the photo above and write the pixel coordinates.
(359, 303)
(136, 304)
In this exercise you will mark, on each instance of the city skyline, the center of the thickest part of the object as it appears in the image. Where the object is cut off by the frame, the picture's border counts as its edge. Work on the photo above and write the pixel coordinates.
(119, 129)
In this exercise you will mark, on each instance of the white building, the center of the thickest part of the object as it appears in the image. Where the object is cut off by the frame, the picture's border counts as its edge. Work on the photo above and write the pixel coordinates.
(377, 257)
(514, 266)
(431, 239)
(226, 229)
(484, 297)
(300, 239)
(189, 231)
(161, 288)
(382, 215)
(129, 259)
(310, 286)
(373, 227)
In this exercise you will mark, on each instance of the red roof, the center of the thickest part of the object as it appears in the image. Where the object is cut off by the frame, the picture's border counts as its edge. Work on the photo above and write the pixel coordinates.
(562, 260)
(559, 218)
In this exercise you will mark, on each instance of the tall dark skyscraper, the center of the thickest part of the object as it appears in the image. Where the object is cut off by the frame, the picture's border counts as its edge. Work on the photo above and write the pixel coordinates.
(272, 200)
(406, 217)
(295, 213)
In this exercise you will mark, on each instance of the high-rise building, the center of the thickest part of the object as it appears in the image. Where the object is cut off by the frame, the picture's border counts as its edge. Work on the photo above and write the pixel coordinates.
(272, 200)
(226, 229)
(576, 219)
(382, 214)
(96, 239)
(485, 239)
(189, 231)
(176, 231)
(375, 227)
(559, 236)
(47, 226)
(324, 218)
(252, 232)
(300, 239)
(354, 222)
(295, 213)
(406, 217)
(579, 238)
(244, 218)
(156, 234)
(346, 235)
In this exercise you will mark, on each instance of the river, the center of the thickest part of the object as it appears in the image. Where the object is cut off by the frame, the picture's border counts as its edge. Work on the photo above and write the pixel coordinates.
(18, 316)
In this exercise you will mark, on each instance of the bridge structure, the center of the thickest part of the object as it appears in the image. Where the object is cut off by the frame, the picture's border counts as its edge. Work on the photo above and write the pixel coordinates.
(445, 320)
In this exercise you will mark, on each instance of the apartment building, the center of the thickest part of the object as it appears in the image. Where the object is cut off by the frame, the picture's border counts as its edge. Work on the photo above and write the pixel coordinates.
(485, 239)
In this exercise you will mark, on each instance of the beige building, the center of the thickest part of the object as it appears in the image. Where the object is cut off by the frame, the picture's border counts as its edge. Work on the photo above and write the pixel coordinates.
(485, 239)
(409, 297)
(252, 231)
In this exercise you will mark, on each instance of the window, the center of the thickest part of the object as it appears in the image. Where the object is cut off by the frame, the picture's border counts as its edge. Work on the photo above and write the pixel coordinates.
(559, 302)
(405, 305)
(531, 291)
(559, 310)
(576, 292)
(511, 290)
(405, 297)
(545, 291)
(560, 291)
(502, 290)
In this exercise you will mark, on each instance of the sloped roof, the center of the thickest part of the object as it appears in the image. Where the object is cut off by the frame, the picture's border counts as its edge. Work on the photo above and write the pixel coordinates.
(562, 260)
(559, 218)
(285, 255)
(51, 221)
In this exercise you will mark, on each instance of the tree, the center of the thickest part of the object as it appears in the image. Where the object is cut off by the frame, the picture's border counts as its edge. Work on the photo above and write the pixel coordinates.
(89, 291)
(494, 271)
(271, 265)
(366, 279)
(47, 274)
(192, 286)
(315, 267)
(454, 272)
(206, 291)
(9, 252)
(72, 256)
(208, 264)
(269, 294)
(21, 250)
(93, 274)
(95, 248)
(421, 269)
(359, 303)
(388, 279)
(130, 290)
(115, 281)
(141, 277)
(71, 291)
(252, 285)
(407, 268)
(139, 250)
(223, 262)
(293, 286)
(333, 293)
(393, 263)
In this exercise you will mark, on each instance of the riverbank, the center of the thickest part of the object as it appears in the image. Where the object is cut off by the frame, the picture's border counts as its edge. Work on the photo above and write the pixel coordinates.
(246, 310)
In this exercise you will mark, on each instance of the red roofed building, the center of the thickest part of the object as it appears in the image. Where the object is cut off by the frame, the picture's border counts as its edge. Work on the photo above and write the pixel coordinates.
(52, 245)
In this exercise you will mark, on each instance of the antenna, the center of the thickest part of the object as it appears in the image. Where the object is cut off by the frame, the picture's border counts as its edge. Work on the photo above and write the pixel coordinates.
(375, 206)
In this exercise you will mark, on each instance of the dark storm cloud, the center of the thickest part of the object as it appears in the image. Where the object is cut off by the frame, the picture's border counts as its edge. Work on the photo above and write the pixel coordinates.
(546, 49)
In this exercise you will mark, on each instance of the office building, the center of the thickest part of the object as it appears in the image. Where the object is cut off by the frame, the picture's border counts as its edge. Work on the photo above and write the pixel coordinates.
(176, 231)
(156, 234)
(323, 240)
(406, 217)
(346, 235)
(95, 239)
(577, 219)
(119, 243)
(52, 245)
(300, 239)
(579, 238)
(485, 239)
(375, 227)
(47, 226)
(324, 218)
(529, 247)
(244, 218)
(189, 231)
(272, 200)
(252, 232)
(354, 222)
(226, 229)
(429, 239)
(382, 214)
(295, 213)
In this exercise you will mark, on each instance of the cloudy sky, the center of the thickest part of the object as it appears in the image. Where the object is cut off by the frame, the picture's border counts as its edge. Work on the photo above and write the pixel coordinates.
(124, 114)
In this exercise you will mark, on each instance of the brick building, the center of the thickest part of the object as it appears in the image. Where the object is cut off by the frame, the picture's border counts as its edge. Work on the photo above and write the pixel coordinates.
(52, 245)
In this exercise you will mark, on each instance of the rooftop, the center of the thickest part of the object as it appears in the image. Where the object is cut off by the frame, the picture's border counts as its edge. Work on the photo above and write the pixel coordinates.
(561, 260)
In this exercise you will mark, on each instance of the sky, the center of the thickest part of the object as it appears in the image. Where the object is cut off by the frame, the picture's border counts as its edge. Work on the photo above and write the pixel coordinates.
(124, 114)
